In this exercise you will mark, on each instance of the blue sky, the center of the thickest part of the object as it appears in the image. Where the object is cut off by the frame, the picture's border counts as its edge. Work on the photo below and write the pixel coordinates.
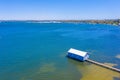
(59, 9)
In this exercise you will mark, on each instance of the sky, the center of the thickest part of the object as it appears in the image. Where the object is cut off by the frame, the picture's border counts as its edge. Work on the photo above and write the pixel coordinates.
(59, 9)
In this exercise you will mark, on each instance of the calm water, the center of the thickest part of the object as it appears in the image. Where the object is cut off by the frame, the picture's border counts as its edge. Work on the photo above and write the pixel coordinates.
(36, 51)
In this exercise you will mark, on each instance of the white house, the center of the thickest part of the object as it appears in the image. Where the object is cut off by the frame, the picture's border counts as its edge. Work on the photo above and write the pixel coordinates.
(77, 54)
(119, 24)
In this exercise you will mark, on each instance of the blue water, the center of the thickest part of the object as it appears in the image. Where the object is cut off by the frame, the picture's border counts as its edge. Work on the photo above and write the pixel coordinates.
(36, 51)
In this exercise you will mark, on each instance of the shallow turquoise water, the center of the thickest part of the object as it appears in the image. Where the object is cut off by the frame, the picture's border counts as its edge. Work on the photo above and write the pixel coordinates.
(36, 51)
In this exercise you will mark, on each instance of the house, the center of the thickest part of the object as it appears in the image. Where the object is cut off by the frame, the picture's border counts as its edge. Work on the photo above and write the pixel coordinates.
(119, 24)
(77, 54)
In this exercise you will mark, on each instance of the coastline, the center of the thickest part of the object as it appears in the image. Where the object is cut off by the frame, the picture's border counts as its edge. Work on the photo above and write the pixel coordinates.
(115, 22)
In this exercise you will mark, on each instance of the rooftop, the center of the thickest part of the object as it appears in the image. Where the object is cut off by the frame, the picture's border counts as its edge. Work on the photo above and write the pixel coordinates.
(77, 52)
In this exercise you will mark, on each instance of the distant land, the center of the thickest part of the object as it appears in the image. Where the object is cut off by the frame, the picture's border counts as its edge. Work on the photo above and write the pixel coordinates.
(105, 21)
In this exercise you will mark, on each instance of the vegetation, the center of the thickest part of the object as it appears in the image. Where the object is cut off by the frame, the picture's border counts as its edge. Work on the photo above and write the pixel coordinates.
(106, 21)
(110, 21)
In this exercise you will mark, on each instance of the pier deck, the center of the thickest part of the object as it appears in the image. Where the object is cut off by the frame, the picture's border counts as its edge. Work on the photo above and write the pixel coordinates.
(103, 65)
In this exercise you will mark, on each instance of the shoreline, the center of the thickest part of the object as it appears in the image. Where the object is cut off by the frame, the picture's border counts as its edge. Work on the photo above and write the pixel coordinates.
(115, 22)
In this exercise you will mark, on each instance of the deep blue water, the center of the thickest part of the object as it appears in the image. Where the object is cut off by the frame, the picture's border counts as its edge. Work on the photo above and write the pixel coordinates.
(36, 51)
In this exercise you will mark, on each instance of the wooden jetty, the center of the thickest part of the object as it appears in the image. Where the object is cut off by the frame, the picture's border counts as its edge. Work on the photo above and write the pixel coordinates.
(103, 65)
(83, 56)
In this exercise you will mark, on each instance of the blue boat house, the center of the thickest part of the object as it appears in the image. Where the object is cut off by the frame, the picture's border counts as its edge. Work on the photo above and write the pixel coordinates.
(77, 54)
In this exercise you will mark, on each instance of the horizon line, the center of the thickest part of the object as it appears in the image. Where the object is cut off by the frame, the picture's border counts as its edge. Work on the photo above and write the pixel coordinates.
(54, 19)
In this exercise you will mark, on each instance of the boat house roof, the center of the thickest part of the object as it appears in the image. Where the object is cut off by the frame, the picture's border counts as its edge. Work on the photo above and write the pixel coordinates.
(77, 52)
